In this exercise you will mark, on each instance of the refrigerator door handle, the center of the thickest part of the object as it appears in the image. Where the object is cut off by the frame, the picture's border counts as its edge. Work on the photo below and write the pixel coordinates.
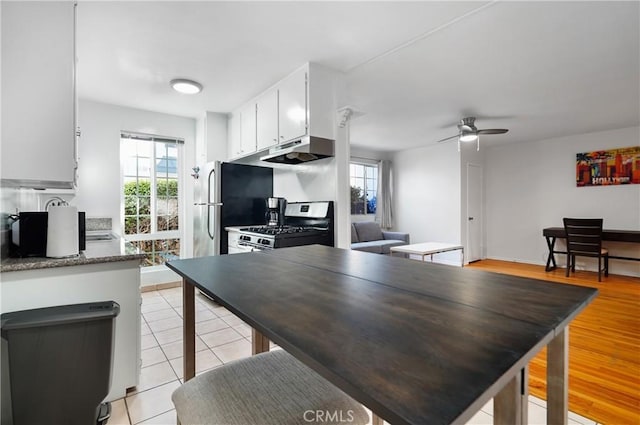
(209, 204)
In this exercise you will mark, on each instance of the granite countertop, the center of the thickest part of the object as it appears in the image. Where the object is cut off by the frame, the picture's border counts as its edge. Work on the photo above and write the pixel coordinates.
(96, 252)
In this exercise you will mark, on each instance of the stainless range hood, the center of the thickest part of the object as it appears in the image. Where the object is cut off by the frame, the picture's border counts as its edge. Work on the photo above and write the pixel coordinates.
(308, 148)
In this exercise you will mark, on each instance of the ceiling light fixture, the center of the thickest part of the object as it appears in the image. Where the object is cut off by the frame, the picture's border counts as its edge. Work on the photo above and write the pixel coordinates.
(468, 137)
(184, 86)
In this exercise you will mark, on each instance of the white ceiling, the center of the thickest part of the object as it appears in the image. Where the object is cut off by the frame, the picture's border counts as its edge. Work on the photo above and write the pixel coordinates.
(541, 69)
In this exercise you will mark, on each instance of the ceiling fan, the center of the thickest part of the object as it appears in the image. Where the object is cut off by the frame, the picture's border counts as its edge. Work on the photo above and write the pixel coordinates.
(468, 132)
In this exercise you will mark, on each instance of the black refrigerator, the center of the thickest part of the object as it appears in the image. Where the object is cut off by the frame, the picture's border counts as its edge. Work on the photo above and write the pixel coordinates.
(231, 195)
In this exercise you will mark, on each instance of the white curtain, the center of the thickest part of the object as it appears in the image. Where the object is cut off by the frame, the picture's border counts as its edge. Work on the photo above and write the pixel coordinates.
(384, 215)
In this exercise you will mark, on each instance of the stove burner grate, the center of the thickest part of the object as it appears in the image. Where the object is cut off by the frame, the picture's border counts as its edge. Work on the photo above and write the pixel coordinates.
(282, 230)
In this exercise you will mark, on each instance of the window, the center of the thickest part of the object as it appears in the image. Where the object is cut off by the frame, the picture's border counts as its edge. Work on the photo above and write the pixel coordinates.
(364, 187)
(151, 187)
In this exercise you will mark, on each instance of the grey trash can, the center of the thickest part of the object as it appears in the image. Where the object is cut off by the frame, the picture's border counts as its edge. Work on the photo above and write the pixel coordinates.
(59, 364)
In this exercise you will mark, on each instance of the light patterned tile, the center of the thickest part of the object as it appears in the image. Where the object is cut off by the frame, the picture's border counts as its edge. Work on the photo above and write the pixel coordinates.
(210, 326)
(574, 417)
(244, 330)
(198, 307)
(537, 413)
(170, 335)
(148, 308)
(119, 414)
(174, 350)
(152, 356)
(174, 301)
(481, 418)
(221, 311)
(538, 401)
(205, 314)
(220, 337)
(171, 291)
(148, 341)
(153, 300)
(233, 351)
(164, 324)
(204, 298)
(150, 294)
(151, 403)
(155, 375)
(167, 418)
(144, 328)
(167, 313)
(205, 360)
(232, 320)
(488, 408)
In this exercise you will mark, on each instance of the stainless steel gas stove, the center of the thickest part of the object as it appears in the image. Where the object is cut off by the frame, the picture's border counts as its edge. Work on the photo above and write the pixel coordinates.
(306, 223)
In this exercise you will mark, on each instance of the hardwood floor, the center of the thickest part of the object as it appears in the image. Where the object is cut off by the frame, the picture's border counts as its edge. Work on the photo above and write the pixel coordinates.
(604, 345)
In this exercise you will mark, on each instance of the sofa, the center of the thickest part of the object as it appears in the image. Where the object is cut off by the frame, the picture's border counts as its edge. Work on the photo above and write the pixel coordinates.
(369, 237)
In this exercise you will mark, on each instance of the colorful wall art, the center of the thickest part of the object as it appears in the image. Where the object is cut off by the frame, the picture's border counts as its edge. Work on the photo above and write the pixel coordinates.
(610, 167)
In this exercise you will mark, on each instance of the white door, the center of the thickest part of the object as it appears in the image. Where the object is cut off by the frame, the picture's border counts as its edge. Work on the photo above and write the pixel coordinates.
(474, 213)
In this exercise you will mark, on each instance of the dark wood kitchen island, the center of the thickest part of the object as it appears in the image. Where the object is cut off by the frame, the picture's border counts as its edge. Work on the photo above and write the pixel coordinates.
(415, 343)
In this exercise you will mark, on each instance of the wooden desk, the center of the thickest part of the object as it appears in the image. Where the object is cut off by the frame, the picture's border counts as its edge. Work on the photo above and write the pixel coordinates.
(428, 248)
(416, 343)
(553, 233)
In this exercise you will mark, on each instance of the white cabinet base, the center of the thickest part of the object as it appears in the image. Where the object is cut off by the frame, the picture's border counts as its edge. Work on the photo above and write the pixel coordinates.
(116, 281)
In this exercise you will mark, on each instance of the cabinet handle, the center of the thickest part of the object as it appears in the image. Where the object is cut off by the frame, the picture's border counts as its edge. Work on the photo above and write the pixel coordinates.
(282, 137)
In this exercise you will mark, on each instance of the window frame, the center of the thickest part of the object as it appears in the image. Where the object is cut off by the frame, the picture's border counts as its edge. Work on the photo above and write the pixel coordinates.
(365, 164)
(154, 234)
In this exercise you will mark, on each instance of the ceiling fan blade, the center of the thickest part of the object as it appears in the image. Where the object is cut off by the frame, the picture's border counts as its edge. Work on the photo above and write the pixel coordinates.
(493, 131)
(448, 138)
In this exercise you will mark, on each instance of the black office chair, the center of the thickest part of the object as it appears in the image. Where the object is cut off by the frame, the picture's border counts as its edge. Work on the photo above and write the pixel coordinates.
(584, 238)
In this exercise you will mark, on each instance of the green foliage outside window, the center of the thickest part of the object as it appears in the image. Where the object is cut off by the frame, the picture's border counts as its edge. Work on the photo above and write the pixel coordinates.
(357, 200)
(137, 207)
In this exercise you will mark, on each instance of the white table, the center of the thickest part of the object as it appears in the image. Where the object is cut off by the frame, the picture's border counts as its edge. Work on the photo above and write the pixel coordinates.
(428, 248)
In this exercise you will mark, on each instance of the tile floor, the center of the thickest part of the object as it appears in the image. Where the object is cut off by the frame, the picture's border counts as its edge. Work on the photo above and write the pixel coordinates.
(221, 337)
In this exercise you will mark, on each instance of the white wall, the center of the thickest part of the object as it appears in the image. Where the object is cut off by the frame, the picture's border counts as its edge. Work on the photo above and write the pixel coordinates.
(530, 186)
(314, 181)
(363, 153)
(427, 194)
(99, 176)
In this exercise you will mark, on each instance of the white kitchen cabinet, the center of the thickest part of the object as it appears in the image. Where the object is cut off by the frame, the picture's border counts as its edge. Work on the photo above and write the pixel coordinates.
(301, 104)
(38, 94)
(248, 129)
(293, 112)
(114, 281)
(267, 120)
(233, 129)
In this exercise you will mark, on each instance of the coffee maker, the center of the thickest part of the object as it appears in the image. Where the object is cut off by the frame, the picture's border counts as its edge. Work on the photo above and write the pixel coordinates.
(275, 211)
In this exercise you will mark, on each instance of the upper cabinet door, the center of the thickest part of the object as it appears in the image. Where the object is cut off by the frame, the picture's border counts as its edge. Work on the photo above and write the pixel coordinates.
(248, 128)
(293, 114)
(38, 94)
(233, 130)
(267, 119)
